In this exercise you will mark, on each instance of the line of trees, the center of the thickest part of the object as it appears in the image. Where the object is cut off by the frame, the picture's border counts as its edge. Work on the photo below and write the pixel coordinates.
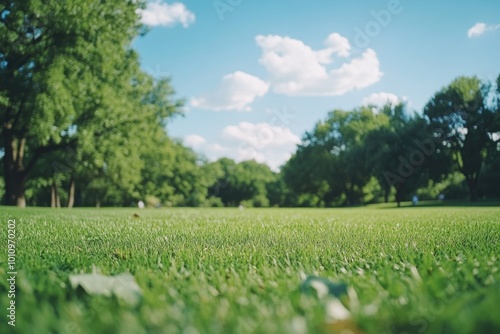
(366, 154)
(81, 124)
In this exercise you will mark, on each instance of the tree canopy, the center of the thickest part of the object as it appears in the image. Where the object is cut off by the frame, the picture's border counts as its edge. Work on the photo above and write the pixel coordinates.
(68, 77)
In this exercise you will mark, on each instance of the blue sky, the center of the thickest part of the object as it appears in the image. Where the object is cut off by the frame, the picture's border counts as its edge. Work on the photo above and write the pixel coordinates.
(257, 74)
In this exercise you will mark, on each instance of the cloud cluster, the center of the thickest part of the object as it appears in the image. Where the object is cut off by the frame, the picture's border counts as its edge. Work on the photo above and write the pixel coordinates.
(236, 92)
(263, 142)
(296, 69)
(260, 135)
(381, 99)
(158, 13)
(481, 28)
(194, 140)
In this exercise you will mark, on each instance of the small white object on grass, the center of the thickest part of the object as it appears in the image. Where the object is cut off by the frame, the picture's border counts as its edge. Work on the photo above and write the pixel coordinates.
(140, 204)
(241, 207)
(123, 286)
(335, 310)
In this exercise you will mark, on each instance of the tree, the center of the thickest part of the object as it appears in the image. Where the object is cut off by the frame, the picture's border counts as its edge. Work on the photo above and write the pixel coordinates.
(241, 183)
(223, 184)
(65, 70)
(69, 81)
(305, 174)
(252, 179)
(173, 174)
(490, 176)
(330, 161)
(402, 152)
(114, 158)
(461, 113)
(278, 193)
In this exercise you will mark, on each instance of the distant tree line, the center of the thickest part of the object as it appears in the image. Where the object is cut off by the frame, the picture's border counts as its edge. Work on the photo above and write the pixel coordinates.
(372, 154)
(82, 125)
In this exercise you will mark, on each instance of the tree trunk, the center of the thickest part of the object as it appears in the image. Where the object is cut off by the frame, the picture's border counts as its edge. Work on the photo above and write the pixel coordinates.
(350, 196)
(14, 175)
(58, 199)
(19, 192)
(14, 188)
(71, 193)
(55, 199)
(52, 196)
(472, 184)
(15, 171)
(398, 196)
(386, 196)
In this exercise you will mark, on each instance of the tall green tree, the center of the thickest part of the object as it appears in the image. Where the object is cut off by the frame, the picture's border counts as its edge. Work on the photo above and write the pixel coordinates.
(463, 114)
(69, 79)
(330, 162)
(403, 154)
(490, 176)
(112, 159)
(305, 174)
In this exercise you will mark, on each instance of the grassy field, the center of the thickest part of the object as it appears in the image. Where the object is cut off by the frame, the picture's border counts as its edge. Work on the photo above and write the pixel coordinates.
(408, 270)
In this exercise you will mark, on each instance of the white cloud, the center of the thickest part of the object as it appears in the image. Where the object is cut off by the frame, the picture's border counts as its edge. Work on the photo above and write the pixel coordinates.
(381, 99)
(338, 44)
(477, 30)
(217, 148)
(296, 69)
(158, 13)
(194, 140)
(480, 28)
(260, 135)
(263, 142)
(236, 92)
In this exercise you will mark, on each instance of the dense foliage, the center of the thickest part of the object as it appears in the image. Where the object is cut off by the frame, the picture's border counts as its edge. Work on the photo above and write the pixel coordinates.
(367, 154)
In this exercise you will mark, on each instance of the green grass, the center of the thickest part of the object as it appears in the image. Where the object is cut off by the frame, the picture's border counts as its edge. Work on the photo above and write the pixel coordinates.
(414, 270)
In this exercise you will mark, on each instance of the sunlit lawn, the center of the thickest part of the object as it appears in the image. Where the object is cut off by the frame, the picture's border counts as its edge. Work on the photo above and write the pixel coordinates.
(414, 270)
